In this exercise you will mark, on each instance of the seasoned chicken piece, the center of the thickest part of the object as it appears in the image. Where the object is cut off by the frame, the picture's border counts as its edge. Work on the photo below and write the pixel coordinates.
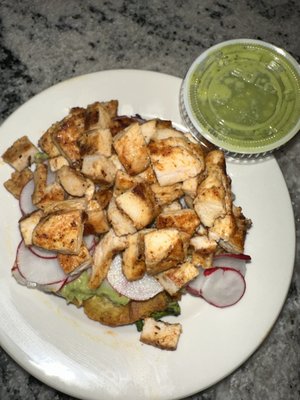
(148, 176)
(132, 150)
(185, 220)
(20, 154)
(97, 141)
(139, 205)
(46, 142)
(133, 258)
(115, 160)
(121, 223)
(214, 198)
(164, 248)
(123, 182)
(103, 197)
(174, 161)
(202, 259)
(166, 133)
(230, 231)
(203, 244)
(40, 182)
(189, 187)
(52, 194)
(55, 163)
(174, 206)
(67, 133)
(99, 115)
(61, 231)
(99, 169)
(65, 205)
(121, 122)
(96, 219)
(176, 278)
(108, 246)
(27, 225)
(160, 334)
(17, 181)
(210, 204)
(74, 263)
(44, 194)
(166, 194)
(148, 129)
(73, 182)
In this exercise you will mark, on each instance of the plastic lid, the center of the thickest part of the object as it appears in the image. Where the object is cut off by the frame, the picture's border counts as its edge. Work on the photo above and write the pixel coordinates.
(243, 96)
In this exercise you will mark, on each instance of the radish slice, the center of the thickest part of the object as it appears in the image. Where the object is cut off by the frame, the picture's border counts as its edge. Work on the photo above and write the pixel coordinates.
(223, 287)
(142, 289)
(235, 261)
(37, 270)
(25, 201)
(42, 253)
(219, 286)
(195, 286)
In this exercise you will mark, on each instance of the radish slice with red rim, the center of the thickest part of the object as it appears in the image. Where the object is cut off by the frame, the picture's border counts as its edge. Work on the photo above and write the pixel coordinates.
(223, 287)
(235, 261)
(142, 289)
(25, 201)
(42, 253)
(37, 270)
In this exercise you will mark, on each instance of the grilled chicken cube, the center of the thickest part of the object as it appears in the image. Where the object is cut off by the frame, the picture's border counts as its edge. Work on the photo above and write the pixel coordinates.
(166, 194)
(108, 246)
(103, 197)
(123, 182)
(74, 263)
(73, 182)
(210, 204)
(148, 130)
(97, 141)
(96, 219)
(139, 205)
(65, 205)
(61, 231)
(66, 134)
(164, 249)
(27, 225)
(185, 220)
(230, 231)
(174, 161)
(20, 154)
(132, 150)
(133, 258)
(17, 182)
(202, 259)
(160, 334)
(99, 169)
(121, 223)
(174, 206)
(189, 187)
(148, 176)
(176, 278)
(55, 163)
(99, 115)
(203, 244)
(40, 182)
(46, 142)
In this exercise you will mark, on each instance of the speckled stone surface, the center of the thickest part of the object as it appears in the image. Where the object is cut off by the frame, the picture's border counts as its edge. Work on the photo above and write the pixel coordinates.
(44, 42)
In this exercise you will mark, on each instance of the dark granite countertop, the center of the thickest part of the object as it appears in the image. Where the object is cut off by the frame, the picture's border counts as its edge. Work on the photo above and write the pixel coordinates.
(45, 42)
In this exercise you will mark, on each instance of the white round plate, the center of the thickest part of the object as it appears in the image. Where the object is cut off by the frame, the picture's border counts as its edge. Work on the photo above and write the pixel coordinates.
(57, 344)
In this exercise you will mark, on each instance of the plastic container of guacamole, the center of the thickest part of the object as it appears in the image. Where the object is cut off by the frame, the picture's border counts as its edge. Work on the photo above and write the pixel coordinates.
(243, 96)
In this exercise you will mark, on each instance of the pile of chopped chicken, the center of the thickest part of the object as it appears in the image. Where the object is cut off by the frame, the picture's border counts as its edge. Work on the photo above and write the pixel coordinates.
(147, 190)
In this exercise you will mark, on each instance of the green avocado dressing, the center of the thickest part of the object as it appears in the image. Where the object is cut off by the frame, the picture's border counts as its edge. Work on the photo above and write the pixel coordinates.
(79, 290)
(245, 96)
